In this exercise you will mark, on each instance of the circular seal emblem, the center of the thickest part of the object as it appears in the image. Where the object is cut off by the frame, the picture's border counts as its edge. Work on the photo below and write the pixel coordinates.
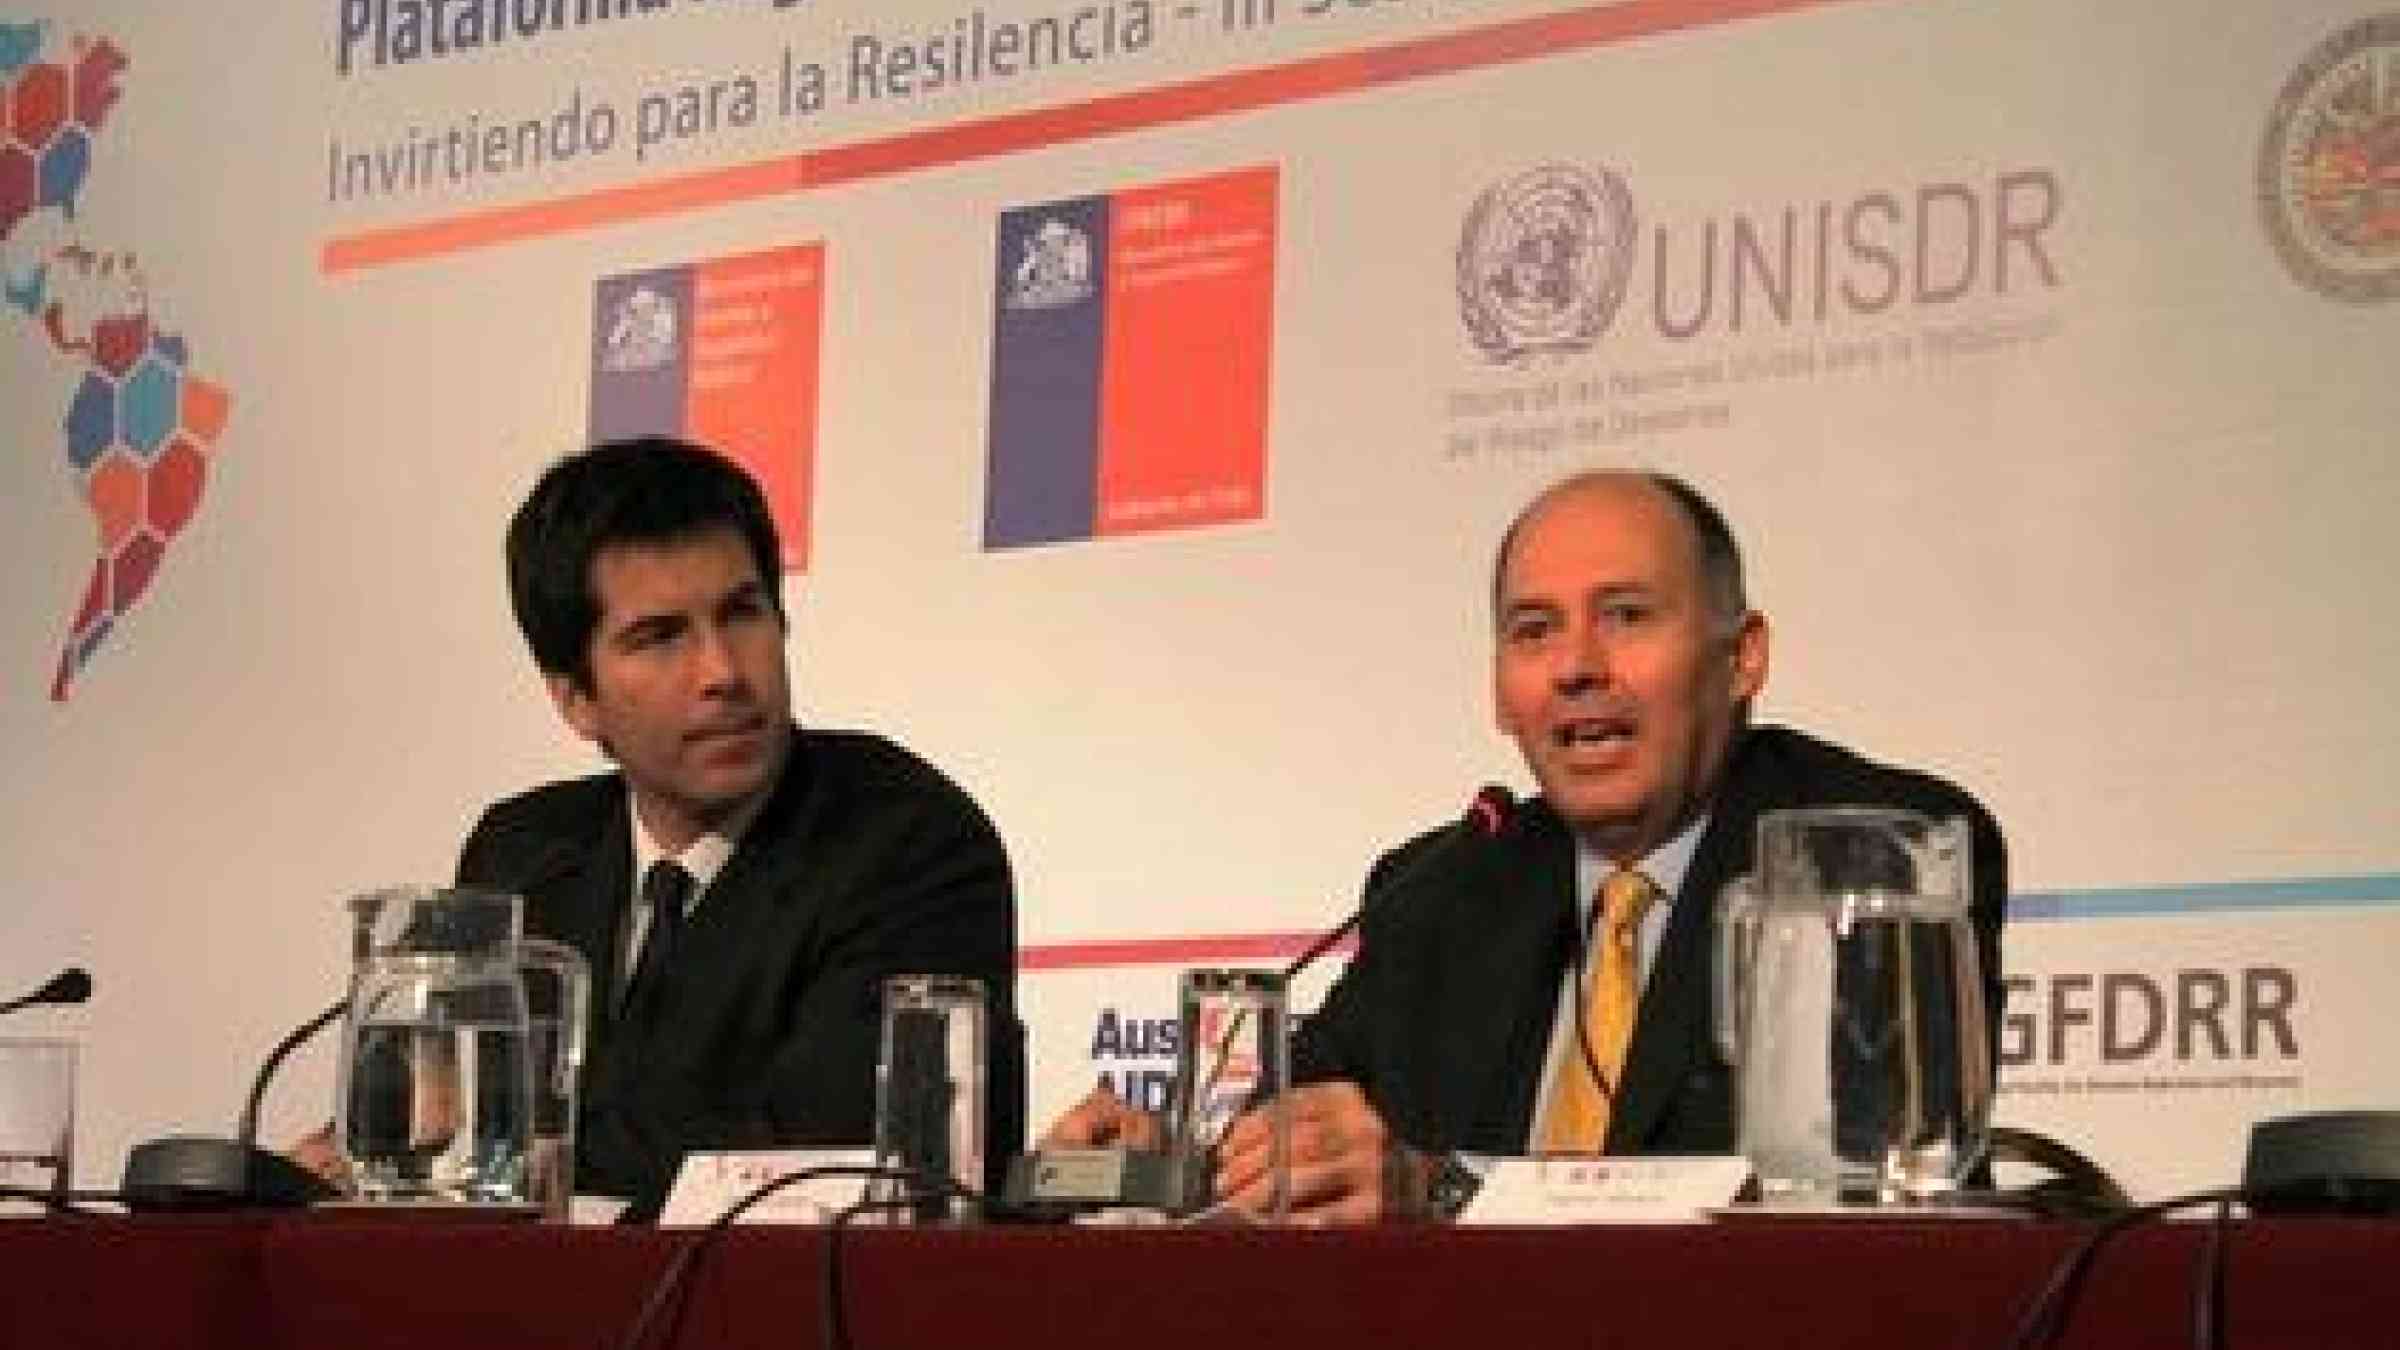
(1542, 261)
(2329, 168)
(641, 335)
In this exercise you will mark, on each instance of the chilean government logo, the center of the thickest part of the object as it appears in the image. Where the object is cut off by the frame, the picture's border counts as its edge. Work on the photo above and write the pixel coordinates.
(2329, 168)
(1542, 261)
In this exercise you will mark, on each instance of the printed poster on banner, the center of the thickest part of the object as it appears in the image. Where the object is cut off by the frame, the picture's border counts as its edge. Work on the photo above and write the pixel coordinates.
(1130, 348)
(725, 352)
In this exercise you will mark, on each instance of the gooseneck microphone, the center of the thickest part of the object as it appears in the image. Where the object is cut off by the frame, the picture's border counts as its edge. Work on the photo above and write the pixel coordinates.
(1487, 814)
(246, 1129)
(196, 1172)
(69, 986)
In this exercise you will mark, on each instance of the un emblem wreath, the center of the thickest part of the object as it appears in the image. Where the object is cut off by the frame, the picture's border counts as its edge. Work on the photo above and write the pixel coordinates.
(1542, 261)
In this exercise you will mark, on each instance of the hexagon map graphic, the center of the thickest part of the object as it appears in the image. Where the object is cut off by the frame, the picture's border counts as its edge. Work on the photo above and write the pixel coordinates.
(139, 426)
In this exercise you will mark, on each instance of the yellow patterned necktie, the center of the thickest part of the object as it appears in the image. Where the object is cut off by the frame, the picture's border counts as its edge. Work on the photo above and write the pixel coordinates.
(1577, 1118)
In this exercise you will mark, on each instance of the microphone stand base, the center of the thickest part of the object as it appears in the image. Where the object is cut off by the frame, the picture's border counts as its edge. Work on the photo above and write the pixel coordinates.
(194, 1174)
(1061, 1181)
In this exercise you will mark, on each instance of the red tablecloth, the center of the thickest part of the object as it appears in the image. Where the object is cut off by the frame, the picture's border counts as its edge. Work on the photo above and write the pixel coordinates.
(325, 1283)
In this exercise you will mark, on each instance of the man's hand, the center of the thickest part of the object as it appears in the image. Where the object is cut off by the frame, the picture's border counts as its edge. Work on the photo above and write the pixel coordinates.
(1103, 1120)
(315, 1152)
(1345, 1165)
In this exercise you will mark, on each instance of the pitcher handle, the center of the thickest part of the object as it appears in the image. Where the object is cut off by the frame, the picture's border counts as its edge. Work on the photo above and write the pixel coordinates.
(1737, 941)
(575, 997)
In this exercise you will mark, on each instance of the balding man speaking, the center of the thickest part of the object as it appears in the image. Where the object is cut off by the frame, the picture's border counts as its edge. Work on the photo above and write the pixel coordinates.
(1625, 658)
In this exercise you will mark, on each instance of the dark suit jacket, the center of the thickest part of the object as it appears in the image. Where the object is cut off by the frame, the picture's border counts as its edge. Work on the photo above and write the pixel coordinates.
(865, 863)
(1444, 1018)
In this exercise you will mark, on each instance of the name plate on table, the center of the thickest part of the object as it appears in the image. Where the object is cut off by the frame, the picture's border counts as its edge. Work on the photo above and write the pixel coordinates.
(1549, 1191)
(708, 1184)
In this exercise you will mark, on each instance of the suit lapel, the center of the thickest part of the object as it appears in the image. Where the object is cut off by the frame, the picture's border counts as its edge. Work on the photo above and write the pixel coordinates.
(1677, 1016)
(1676, 1033)
(576, 889)
(758, 875)
(598, 903)
(1516, 915)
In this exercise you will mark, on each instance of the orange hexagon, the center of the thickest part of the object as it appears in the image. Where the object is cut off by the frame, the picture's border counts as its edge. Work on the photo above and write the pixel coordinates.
(116, 494)
(175, 483)
(40, 105)
(204, 409)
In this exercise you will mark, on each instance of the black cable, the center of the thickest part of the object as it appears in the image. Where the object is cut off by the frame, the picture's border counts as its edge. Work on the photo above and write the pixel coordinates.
(2208, 1289)
(2046, 1320)
(837, 1319)
(63, 1202)
(674, 1279)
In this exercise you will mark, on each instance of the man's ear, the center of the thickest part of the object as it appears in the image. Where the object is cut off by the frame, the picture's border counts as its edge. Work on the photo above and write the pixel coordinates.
(1500, 716)
(1749, 657)
(576, 708)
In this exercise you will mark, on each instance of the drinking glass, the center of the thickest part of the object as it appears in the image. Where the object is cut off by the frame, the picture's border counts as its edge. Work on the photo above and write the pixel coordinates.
(37, 1116)
(558, 991)
(929, 1096)
(1233, 1057)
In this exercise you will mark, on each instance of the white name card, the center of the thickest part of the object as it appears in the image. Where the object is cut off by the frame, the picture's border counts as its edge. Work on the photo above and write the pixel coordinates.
(1549, 1191)
(709, 1184)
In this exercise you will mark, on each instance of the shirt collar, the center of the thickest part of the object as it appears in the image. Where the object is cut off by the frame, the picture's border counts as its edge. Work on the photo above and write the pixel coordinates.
(1664, 865)
(704, 857)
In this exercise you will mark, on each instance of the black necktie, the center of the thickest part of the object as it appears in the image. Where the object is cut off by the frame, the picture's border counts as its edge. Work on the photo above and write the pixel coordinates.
(665, 889)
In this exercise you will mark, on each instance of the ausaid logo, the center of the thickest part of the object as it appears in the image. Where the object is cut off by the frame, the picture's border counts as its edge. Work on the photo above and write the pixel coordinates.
(1134, 1056)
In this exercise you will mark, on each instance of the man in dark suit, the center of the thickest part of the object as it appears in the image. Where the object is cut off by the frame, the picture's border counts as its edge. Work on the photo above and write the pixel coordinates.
(741, 886)
(1477, 1016)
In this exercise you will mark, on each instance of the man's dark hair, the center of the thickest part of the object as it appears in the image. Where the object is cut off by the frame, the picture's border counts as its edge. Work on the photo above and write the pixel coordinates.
(642, 490)
(1720, 556)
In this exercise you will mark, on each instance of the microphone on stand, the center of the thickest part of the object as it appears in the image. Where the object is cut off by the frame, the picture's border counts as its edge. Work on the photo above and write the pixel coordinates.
(1488, 813)
(72, 985)
(198, 1172)
(1063, 1180)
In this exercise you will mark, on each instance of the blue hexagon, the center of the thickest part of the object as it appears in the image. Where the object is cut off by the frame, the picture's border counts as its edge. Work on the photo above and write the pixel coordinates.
(91, 420)
(26, 291)
(148, 404)
(19, 44)
(64, 166)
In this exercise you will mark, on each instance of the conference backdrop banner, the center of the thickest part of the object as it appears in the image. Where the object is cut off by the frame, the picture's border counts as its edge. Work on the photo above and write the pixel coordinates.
(1142, 387)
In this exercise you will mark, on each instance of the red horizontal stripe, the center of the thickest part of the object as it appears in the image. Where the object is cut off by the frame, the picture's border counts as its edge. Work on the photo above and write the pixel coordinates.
(1223, 949)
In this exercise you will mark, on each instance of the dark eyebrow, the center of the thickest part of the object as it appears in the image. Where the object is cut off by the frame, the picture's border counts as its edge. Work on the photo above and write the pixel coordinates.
(658, 624)
(1518, 609)
(750, 591)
